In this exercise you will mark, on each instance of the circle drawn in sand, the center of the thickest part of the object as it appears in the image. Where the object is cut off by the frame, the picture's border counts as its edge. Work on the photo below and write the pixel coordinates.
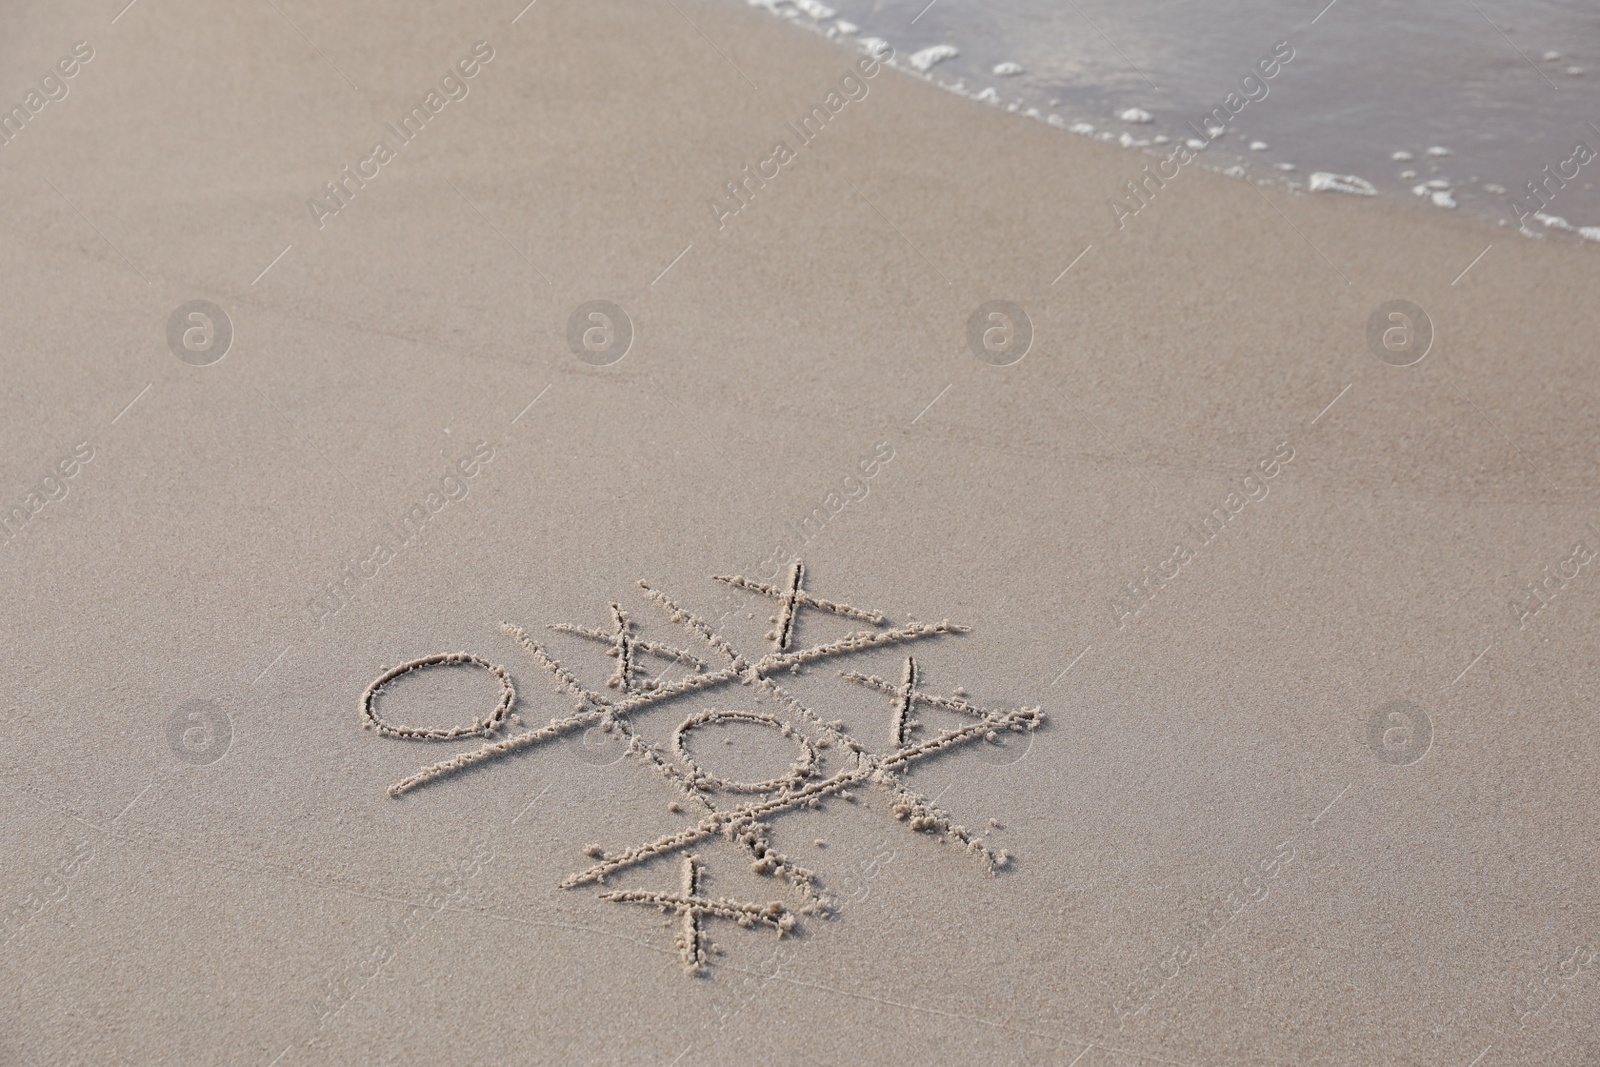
(1006, 748)
(599, 333)
(199, 732)
(599, 748)
(999, 333)
(1399, 333)
(1399, 733)
(487, 726)
(199, 333)
(797, 773)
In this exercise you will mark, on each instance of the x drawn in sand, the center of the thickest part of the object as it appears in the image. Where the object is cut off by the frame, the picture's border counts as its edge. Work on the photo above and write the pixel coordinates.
(830, 764)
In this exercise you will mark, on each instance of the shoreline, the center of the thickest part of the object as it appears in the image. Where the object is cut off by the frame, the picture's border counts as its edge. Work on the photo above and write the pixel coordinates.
(1288, 177)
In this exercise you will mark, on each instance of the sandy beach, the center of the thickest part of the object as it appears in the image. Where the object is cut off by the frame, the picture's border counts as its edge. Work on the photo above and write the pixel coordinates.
(1250, 716)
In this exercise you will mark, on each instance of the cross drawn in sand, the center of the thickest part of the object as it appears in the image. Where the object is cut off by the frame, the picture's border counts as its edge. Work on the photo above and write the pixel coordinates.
(693, 907)
(626, 648)
(746, 825)
(793, 597)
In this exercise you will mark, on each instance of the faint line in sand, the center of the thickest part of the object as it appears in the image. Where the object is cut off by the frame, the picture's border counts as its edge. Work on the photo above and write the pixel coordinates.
(1481, 1055)
(674, 263)
(524, 11)
(132, 802)
(1122, 455)
(1296, 229)
(924, 11)
(532, 402)
(896, 229)
(123, 12)
(274, 263)
(1331, 803)
(273, 664)
(1074, 263)
(712, 43)
(1071, 665)
(1509, 441)
(1513, 44)
(1324, 11)
(1329, 408)
(496, 229)
(314, 48)
(1474, 263)
(530, 803)
(932, 402)
(132, 402)
(1471, 665)
(96, 229)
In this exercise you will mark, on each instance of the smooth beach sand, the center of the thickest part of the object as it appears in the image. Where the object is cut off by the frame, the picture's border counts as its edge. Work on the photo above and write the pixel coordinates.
(1316, 788)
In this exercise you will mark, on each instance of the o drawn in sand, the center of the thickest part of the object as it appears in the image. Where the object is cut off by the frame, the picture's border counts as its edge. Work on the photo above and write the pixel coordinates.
(482, 728)
(797, 774)
(830, 764)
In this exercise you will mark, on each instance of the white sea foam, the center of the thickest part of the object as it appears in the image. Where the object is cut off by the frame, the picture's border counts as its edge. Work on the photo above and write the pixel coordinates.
(1326, 182)
(1007, 69)
(1136, 115)
(926, 59)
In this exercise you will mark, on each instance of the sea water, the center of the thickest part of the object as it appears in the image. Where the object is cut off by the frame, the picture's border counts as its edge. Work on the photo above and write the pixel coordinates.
(1450, 104)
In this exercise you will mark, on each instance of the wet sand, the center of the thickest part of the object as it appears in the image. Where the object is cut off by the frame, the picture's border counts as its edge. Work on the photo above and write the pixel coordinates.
(1311, 633)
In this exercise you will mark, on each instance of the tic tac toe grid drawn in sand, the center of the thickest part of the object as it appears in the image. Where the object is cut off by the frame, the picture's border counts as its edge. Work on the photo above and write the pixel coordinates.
(830, 762)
